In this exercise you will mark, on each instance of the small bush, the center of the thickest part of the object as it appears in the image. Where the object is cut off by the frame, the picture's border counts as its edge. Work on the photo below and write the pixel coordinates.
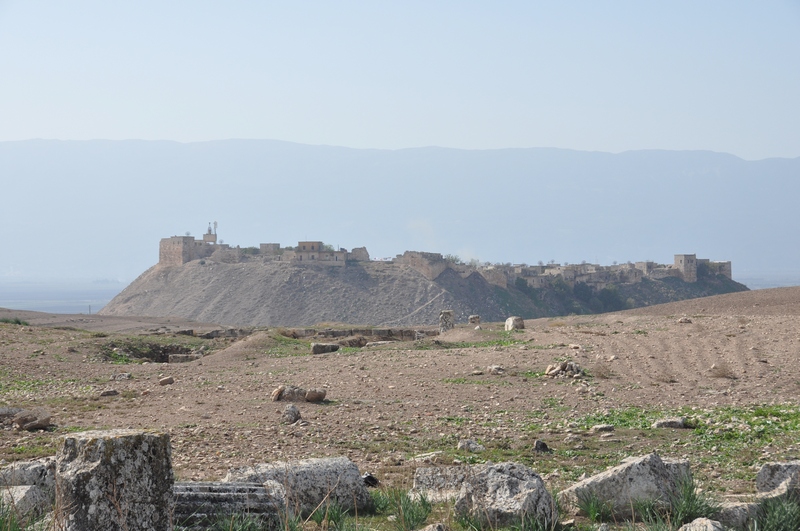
(14, 320)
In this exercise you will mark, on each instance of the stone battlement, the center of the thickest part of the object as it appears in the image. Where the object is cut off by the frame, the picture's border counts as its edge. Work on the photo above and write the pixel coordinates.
(685, 266)
(179, 250)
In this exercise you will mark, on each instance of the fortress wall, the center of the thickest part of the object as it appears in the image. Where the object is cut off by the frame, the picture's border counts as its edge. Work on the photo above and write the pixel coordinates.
(665, 272)
(270, 248)
(717, 268)
(495, 276)
(538, 282)
(176, 250)
(359, 254)
(723, 268)
(431, 265)
(226, 255)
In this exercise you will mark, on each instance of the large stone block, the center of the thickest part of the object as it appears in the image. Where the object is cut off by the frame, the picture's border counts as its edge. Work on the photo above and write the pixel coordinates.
(308, 482)
(771, 475)
(503, 494)
(441, 484)
(27, 501)
(636, 479)
(40, 472)
(514, 323)
(114, 480)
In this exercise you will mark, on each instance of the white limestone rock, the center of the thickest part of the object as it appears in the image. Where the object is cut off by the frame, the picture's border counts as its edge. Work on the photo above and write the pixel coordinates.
(501, 494)
(702, 524)
(441, 484)
(116, 479)
(637, 478)
(27, 501)
(514, 323)
(309, 481)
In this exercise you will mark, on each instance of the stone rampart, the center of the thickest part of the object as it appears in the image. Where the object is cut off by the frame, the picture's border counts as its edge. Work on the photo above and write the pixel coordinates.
(430, 265)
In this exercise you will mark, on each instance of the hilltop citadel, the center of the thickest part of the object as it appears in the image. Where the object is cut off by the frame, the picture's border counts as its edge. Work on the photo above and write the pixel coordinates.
(178, 250)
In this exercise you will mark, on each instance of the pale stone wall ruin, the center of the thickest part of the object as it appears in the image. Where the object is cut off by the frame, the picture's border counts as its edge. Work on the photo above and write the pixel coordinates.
(431, 265)
(179, 250)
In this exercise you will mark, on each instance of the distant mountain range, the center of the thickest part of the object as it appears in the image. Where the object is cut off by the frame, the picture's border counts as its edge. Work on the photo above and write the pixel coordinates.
(97, 209)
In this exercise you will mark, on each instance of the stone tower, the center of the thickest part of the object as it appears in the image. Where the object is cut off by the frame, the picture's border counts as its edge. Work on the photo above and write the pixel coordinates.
(687, 265)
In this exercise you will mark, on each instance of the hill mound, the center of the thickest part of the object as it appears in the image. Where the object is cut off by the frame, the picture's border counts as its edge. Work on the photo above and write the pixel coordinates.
(257, 293)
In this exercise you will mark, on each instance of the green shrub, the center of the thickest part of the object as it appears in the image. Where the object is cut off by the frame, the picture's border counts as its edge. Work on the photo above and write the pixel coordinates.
(14, 320)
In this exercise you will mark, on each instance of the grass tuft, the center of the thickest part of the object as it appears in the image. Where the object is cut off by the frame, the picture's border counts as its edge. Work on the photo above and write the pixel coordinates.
(595, 508)
(777, 514)
(409, 513)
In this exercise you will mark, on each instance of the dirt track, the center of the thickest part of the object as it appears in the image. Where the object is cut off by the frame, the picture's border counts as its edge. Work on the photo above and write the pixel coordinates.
(386, 404)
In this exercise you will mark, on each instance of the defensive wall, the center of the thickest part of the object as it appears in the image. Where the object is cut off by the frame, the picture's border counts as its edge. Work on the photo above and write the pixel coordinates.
(179, 250)
(684, 266)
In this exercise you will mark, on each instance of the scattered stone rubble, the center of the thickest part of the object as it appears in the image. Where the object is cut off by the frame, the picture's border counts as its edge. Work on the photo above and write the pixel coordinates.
(468, 445)
(291, 393)
(291, 414)
(514, 323)
(123, 479)
(324, 348)
(33, 419)
(678, 423)
(446, 321)
(564, 369)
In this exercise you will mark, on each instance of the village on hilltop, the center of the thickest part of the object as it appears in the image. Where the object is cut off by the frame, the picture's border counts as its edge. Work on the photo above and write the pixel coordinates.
(179, 250)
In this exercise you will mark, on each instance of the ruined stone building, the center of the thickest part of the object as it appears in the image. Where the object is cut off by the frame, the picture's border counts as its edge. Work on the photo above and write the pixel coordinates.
(178, 250)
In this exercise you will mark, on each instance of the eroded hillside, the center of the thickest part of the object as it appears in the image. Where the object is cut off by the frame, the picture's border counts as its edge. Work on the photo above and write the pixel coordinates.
(259, 293)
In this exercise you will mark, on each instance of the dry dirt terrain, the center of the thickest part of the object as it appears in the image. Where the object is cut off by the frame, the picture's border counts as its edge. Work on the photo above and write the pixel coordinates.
(733, 372)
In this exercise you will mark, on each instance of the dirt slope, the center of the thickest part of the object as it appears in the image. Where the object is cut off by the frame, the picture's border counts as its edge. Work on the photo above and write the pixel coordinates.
(257, 293)
(280, 294)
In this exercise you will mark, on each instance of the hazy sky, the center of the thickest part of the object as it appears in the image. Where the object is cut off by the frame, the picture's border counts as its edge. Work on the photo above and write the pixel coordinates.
(588, 75)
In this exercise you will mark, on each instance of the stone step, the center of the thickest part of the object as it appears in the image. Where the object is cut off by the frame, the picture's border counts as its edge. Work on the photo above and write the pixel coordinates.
(198, 504)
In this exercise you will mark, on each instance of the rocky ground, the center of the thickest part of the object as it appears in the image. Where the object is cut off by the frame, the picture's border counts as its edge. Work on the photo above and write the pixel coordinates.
(729, 364)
